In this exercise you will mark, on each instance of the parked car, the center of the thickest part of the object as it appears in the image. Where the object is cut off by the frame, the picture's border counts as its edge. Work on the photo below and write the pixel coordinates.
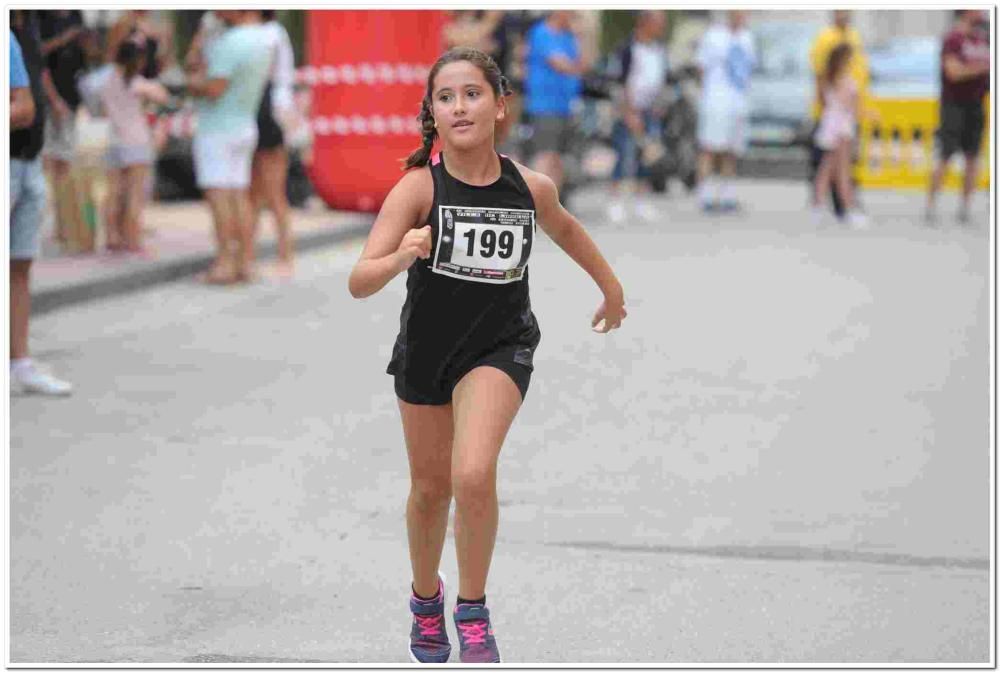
(781, 86)
(906, 68)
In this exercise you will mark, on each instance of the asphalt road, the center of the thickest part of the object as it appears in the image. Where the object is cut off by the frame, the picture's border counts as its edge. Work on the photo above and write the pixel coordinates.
(783, 457)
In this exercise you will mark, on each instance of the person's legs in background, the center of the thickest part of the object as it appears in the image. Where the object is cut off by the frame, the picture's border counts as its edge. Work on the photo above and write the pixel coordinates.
(58, 153)
(706, 180)
(968, 185)
(112, 209)
(135, 196)
(727, 199)
(267, 188)
(625, 162)
(27, 202)
(221, 202)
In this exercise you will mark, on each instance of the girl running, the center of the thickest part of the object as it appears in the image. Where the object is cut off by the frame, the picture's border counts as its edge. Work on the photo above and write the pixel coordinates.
(462, 225)
(836, 134)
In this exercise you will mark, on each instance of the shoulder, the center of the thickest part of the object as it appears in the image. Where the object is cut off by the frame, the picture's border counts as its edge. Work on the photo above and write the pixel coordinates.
(543, 190)
(416, 186)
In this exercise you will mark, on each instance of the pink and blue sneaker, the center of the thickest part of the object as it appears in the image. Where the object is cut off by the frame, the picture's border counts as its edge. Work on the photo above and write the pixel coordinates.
(475, 635)
(428, 637)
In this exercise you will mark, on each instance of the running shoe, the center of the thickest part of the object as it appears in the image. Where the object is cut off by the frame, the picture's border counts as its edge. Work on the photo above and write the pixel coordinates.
(475, 635)
(428, 636)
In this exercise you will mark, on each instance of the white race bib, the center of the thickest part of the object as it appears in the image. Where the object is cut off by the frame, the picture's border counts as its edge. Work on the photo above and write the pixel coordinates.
(485, 245)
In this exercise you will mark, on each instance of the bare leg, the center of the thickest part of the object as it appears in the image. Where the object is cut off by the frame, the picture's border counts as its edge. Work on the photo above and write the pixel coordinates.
(824, 176)
(112, 209)
(135, 196)
(20, 307)
(242, 209)
(275, 174)
(66, 204)
(969, 183)
(937, 179)
(842, 165)
(220, 201)
(257, 192)
(485, 402)
(428, 433)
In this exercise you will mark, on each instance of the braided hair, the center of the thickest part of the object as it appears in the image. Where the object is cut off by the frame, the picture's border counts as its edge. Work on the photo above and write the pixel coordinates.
(491, 72)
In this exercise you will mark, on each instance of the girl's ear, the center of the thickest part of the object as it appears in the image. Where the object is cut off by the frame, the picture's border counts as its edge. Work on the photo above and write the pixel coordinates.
(502, 108)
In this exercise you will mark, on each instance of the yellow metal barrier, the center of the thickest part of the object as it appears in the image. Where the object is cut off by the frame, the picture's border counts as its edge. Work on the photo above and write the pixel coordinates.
(898, 149)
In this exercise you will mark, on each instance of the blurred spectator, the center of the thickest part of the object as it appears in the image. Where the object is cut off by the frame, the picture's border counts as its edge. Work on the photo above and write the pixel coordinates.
(270, 162)
(230, 91)
(210, 28)
(489, 32)
(965, 80)
(726, 58)
(643, 72)
(838, 33)
(130, 153)
(22, 105)
(473, 28)
(553, 82)
(835, 135)
(61, 31)
(156, 37)
(27, 201)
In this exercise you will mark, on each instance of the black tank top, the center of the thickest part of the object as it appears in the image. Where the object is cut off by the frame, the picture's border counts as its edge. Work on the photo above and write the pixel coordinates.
(470, 298)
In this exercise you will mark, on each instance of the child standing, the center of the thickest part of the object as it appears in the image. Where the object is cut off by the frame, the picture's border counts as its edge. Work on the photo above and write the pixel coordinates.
(835, 135)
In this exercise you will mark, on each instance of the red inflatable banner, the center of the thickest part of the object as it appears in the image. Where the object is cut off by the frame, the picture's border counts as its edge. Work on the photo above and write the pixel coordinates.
(368, 71)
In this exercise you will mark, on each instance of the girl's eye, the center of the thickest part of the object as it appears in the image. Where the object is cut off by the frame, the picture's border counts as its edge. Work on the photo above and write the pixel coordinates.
(471, 94)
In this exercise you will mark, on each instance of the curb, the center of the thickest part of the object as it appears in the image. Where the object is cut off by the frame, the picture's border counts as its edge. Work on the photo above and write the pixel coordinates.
(157, 273)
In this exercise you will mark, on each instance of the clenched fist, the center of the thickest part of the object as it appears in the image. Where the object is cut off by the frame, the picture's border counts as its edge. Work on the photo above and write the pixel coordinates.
(416, 243)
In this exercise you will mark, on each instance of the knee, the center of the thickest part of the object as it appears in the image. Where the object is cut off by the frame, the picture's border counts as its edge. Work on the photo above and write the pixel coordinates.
(474, 485)
(430, 492)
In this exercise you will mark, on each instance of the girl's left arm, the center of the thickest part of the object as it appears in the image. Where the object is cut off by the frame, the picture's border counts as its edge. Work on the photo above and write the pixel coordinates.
(570, 235)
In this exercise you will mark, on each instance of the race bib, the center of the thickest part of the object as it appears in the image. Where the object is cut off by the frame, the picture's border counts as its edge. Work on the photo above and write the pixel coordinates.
(484, 245)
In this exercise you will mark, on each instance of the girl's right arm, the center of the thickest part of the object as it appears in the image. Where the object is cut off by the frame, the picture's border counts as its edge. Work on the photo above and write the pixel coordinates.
(394, 243)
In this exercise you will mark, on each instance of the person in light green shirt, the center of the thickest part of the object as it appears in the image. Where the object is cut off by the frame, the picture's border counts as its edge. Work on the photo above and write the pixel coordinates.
(229, 88)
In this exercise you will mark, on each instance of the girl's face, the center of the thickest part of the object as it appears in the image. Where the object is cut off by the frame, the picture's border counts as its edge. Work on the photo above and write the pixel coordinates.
(464, 106)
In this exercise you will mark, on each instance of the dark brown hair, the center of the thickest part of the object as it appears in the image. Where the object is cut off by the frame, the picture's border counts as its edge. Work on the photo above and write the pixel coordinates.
(130, 57)
(836, 62)
(491, 72)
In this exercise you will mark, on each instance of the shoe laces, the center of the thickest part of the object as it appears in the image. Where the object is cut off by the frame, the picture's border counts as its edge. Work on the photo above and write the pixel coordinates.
(473, 631)
(430, 625)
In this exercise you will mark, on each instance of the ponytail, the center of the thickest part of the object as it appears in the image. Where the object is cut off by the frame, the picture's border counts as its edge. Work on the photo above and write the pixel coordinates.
(422, 156)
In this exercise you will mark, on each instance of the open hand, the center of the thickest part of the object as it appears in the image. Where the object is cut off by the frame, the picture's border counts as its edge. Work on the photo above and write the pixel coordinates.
(612, 312)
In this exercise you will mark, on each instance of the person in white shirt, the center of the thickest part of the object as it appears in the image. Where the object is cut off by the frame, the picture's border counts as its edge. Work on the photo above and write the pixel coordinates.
(643, 71)
(726, 57)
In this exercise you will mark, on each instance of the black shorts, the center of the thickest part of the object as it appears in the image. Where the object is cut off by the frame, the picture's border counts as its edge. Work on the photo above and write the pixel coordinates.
(269, 134)
(421, 392)
(961, 128)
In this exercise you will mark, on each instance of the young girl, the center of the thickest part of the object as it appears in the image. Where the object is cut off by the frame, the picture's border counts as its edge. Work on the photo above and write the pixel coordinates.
(131, 151)
(836, 134)
(462, 224)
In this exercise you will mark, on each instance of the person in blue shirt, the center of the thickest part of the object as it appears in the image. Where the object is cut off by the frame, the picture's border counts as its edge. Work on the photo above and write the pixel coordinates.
(552, 84)
(22, 105)
(28, 197)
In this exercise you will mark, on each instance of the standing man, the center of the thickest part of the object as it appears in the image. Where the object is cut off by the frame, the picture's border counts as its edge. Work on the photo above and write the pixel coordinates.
(840, 32)
(965, 80)
(62, 31)
(27, 199)
(726, 57)
(643, 74)
(555, 67)
(230, 90)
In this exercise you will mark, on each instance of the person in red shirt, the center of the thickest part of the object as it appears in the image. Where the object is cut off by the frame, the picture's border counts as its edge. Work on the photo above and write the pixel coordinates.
(965, 80)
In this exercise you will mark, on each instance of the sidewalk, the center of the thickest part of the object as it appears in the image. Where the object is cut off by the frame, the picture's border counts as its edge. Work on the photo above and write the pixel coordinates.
(181, 239)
